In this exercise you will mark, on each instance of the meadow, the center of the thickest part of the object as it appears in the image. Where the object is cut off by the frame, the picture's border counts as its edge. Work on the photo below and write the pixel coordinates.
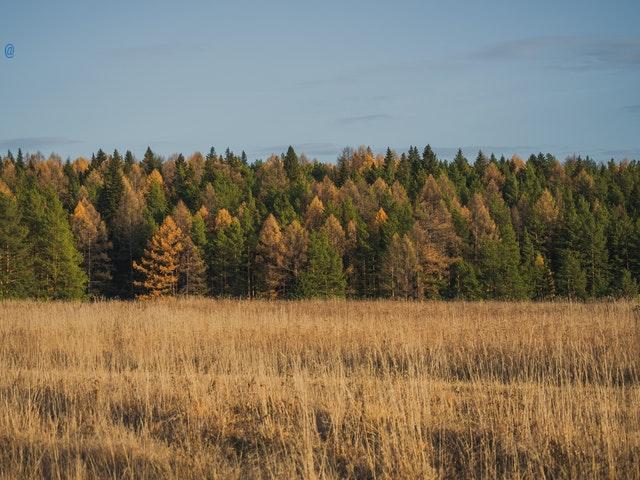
(200, 388)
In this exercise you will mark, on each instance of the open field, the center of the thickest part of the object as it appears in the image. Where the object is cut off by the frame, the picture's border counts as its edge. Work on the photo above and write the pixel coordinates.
(230, 389)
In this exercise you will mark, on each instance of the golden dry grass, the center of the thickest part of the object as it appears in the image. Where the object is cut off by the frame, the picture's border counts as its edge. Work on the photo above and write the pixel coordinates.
(232, 389)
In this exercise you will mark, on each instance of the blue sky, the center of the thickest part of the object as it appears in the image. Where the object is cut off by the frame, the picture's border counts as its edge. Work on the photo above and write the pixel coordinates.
(507, 76)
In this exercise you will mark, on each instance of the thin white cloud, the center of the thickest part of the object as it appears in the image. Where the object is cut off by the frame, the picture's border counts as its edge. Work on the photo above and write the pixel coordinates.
(566, 52)
(34, 143)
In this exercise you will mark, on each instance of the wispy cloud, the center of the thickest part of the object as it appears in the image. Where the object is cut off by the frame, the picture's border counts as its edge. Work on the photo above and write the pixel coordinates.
(35, 143)
(577, 53)
(634, 109)
(566, 52)
(363, 119)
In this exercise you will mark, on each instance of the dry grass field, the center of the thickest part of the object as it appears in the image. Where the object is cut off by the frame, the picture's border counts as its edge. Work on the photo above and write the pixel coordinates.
(363, 390)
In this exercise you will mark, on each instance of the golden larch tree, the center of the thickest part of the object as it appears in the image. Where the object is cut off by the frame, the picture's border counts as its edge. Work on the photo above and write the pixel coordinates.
(182, 217)
(435, 219)
(296, 244)
(204, 213)
(335, 233)
(154, 177)
(191, 266)
(93, 242)
(192, 270)
(5, 190)
(482, 225)
(315, 214)
(129, 236)
(492, 178)
(326, 191)
(379, 190)
(401, 269)
(543, 219)
(380, 218)
(270, 258)
(223, 219)
(434, 262)
(159, 265)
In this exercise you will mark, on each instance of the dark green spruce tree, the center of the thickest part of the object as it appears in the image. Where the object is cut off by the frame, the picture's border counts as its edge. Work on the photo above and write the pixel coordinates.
(324, 275)
(112, 188)
(291, 164)
(16, 261)
(184, 185)
(56, 261)
(150, 162)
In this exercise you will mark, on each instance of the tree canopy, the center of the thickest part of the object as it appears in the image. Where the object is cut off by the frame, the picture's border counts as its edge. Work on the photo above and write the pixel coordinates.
(402, 225)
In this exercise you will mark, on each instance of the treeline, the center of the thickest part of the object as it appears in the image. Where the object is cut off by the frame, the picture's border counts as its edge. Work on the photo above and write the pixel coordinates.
(397, 225)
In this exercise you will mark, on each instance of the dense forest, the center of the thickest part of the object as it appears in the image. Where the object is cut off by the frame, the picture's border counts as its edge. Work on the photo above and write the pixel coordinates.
(403, 226)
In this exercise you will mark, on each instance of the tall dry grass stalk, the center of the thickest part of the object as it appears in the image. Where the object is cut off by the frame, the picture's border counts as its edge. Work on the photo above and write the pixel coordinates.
(231, 389)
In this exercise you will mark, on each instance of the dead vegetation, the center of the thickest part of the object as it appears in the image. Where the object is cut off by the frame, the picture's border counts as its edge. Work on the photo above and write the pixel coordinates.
(363, 390)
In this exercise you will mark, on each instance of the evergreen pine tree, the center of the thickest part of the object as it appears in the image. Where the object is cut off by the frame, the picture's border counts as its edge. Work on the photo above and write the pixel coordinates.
(112, 189)
(429, 161)
(536, 275)
(481, 163)
(98, 159)
(388, 167)
(20, 165)
(499, 263)
(625, 286)
(291, 164)
(56, 261)
(571, 278)
(16, 263)
(73, 186)
(155, 199)
(150, 162)
(418, 173)
(226, 256)
(249, 218)
(129, 161)
(593, 247)
(199, 230)
(324, 275)
(184, 185)
(463, 282)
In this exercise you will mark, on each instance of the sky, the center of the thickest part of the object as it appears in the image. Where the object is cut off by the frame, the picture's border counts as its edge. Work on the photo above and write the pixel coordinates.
(502, 76)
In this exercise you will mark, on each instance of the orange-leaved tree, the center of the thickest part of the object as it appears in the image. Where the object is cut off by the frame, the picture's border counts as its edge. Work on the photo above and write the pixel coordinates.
(270, 258)
(93, 242)
(159, 265)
